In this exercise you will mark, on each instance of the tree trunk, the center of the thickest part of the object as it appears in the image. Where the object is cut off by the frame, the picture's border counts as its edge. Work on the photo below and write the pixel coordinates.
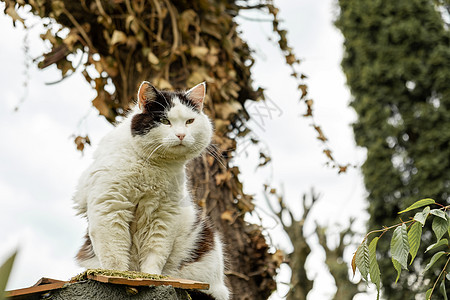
(250, 267)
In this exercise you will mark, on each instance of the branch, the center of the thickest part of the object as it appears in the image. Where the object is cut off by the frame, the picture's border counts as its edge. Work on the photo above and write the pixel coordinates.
(80, 29)
(334, 260)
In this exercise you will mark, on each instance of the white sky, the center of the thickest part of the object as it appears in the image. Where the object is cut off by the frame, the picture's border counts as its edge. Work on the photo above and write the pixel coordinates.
(40, 166)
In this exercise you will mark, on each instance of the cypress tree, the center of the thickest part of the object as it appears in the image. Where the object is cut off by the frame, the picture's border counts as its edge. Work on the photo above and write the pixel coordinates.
(397, 64)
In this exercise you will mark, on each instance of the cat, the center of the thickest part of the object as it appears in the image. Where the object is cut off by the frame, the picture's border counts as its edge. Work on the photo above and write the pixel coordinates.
(134, 195)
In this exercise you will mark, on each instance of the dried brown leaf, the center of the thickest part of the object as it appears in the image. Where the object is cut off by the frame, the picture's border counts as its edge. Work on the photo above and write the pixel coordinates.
(187, 18)
(304, 89)
(320, 132)
(265, 159)
(81, 141)
(199, 52)
(10, 11)
(100, 104)
(222, 177)
(152, 58)
(354, 264)
(278, 257)
(221, 126)
(212, 60)
(162, 84)
(109, 64)
(290, 59)
(226, 109)
(328, 154)
(71, 39)
(342, 169)
(210, 159)
(228, 216)
(57, 8)
(118, 37)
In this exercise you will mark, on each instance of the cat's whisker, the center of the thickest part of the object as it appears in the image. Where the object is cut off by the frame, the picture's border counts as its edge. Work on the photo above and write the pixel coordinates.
(211, 150)
(149, 147)
(217, 156)
(167, 102)
(152, 143)
(159, 111)
(154, 151)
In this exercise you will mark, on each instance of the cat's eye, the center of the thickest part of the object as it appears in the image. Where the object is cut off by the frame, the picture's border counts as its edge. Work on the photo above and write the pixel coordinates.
(165, 121)
(190, 121)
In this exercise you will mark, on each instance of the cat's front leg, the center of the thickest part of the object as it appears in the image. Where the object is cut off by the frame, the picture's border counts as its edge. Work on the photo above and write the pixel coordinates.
(159, 247)
(110, 235)
(153, 263)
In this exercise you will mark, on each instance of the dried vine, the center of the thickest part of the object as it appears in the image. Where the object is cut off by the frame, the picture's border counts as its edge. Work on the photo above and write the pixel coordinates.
(294, 62)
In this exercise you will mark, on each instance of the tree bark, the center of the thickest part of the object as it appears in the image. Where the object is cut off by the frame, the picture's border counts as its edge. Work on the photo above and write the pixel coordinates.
(250, 267)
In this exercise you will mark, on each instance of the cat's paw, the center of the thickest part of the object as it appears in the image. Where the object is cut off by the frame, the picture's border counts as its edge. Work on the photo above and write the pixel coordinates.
(154, 270)
(219, 292)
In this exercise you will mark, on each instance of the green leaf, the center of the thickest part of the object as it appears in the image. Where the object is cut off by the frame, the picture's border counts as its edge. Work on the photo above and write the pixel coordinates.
(398, 267)
(442, 289)
(374, 269)
(439, 227)
(414, 235)
(418, 204)
(5, 270)
(434, 259)
(400, 245)
(438, 244)
(439, 213)
(428, 294)
(362, 260)
(422, 216)
(448, 225)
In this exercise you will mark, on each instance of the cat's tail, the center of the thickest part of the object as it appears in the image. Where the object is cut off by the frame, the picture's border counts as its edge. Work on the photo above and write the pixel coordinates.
(86, 257)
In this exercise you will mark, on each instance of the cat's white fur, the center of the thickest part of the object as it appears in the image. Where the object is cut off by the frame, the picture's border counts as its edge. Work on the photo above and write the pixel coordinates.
(140, 213)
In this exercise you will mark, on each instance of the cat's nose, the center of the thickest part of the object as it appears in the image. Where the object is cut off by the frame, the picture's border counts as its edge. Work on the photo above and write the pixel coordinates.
(181, 136)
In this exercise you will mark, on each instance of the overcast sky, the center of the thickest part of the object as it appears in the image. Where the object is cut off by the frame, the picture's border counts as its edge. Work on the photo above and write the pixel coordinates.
(40, 166)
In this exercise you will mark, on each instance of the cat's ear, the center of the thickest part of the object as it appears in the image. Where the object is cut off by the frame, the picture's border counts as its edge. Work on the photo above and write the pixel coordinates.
(146, 93)
(197, 95)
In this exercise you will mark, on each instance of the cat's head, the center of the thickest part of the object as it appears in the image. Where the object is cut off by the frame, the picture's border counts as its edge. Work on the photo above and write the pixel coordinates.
(171, 125)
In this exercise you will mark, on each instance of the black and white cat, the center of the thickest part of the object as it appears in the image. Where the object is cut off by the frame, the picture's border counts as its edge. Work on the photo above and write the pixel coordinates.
(141, 216)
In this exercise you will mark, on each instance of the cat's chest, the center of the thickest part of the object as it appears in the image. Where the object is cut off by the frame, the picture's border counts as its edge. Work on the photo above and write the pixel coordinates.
(155, 205)
(155, 185)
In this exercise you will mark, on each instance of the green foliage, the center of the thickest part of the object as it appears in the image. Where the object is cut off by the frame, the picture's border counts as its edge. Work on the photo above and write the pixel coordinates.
(400, 246)
(442, 289)
(374, 269)
(5, 271)
(397, 64)
(439, 227)
(414, 234)
(404, 244)
(434, 259)
(362, 259)
(437, 245)
(421, 217)
(418, 204)
(398, 268)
